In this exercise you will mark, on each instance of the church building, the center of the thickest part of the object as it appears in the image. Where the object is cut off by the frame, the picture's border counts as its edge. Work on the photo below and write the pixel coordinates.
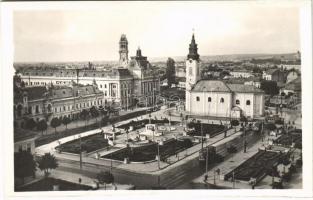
(215, 98)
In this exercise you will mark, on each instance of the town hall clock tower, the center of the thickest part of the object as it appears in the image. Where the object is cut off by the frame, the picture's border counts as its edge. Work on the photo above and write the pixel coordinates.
(123, 51)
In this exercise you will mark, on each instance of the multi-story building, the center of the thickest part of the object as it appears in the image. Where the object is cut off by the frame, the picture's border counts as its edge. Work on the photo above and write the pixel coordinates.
(132, 82)
(241, 74)
(42, 102)
(277, 75)
(24, 140)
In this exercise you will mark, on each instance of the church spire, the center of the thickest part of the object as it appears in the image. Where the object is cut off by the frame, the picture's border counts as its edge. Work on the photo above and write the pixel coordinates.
(193, 49)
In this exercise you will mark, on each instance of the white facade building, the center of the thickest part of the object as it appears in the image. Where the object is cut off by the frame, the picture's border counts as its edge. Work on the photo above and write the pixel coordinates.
(133, 81)
(216, 98)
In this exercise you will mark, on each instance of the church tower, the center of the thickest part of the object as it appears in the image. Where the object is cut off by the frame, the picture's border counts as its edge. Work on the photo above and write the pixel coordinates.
(192, 64)
(123, 51)
(192, 71)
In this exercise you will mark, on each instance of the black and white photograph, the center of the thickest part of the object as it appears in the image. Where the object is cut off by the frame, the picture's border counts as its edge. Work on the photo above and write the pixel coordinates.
(197, 95)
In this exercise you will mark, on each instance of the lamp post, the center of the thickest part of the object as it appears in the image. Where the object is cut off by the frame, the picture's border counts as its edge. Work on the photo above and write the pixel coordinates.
(161, 143)
(206, 160)
(201, 135)
(203, 91)
(80, 153)
(152, 129)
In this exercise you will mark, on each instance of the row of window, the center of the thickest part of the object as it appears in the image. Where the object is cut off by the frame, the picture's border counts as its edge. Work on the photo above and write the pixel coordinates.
(44, 83)
(27, 147)
(78, 106)
(222, 100)
(58, 109)
(148, 87)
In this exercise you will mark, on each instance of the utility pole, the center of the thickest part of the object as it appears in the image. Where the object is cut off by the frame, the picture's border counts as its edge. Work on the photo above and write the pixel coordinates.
(201, 135)
(207, 160)
(80, 154)
(159, 156)
(233, 179)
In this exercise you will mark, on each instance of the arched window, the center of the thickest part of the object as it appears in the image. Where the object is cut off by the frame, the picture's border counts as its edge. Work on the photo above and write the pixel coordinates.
(209, 99)
(237, 102)
(222, 100)
(198, 98)
(190, 71)
(248, 102)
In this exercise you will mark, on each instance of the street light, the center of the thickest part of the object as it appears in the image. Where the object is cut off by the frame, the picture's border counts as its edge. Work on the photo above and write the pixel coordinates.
(203, 90)
(159, 144)
(152, 129)
(80, 153)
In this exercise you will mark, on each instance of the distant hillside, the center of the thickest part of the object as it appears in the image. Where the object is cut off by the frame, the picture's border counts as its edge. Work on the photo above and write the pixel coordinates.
(205, 58)
(231, 57)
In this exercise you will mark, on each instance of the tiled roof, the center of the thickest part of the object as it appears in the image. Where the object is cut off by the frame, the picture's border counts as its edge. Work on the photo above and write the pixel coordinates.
(240, 88)
(271, 71)
(211, 86)
(123, 72)
(66, 92)
(72, 72)
(294, 85)
(34, 93)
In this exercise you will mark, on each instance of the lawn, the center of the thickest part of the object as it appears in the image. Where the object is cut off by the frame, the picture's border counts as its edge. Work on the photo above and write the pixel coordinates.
(288, 139)
(52, 137)
(147, 153)
(89, 143)
(256, 166)
(46, 184)
(211, 129)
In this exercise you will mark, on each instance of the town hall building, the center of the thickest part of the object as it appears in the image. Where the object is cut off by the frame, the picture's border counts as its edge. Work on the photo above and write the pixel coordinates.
(215, 98)
(133, 82)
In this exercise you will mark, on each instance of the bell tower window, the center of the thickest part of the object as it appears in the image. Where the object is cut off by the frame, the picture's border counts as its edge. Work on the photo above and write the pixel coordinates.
(190, 71)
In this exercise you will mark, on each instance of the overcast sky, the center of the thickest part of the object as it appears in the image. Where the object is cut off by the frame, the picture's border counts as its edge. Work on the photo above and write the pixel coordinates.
(159, 28)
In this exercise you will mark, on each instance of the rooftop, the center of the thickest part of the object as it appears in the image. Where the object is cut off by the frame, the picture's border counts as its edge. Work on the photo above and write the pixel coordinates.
(240, 88)
(221, 86)
(211, 86)
(35, 92)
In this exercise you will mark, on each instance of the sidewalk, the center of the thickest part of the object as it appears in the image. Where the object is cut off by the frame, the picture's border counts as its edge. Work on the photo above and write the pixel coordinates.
(82, 123)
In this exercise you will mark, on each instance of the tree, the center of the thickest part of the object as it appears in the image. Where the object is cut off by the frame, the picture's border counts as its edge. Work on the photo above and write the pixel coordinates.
(42, 126)
(170, 71)
(47, 162)
(105, 178)
(257, 70)
(103, 114)
(224, 73)
(24, 164)
(84, 115)
(94, 112)
(30, 124)
(270, 87)
(271, 126)
(55, 122)
(66, 120)
(234, 122)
